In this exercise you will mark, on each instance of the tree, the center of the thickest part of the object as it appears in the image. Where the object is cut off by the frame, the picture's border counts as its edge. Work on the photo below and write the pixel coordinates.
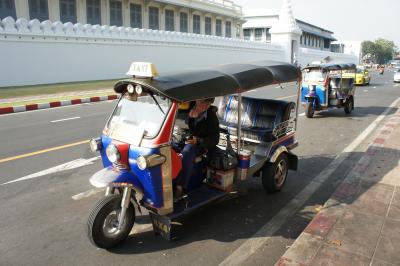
(381, 50)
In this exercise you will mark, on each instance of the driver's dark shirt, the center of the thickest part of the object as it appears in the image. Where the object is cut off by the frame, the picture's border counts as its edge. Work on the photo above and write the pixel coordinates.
(206, 128)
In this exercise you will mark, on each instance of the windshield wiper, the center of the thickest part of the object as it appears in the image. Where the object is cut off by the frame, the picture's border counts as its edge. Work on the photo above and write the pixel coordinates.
(159, 106)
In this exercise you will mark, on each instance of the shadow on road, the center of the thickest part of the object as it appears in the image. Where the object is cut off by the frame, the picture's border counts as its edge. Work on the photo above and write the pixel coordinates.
(242, 216)
(362, 111)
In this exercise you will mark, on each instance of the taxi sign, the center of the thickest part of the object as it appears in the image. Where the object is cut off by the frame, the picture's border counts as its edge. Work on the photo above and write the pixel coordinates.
(142, 69)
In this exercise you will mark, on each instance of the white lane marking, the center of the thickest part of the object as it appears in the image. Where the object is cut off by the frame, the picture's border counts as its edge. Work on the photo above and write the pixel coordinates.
(302, 114)
(59, 168)
(250, 246)
(365, 90)
(65, 119)
(87, 193)
(396, 85)
(374, 87)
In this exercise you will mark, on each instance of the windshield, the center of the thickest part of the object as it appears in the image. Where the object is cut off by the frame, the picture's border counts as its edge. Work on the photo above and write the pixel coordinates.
(134, 118)
(314, 76)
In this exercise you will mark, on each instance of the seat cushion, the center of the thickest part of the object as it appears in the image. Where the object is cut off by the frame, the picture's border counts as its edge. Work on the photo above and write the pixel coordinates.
(259, 116)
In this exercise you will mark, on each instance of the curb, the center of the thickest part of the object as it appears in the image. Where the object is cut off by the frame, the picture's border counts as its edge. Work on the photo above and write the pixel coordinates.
(31, 107)
(307, 245)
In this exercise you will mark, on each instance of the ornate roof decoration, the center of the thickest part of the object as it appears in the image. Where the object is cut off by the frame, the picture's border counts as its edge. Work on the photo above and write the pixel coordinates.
(287, 22)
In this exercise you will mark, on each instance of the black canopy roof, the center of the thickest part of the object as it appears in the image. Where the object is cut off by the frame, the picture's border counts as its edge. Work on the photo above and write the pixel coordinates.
(218, 81)
(339, 66)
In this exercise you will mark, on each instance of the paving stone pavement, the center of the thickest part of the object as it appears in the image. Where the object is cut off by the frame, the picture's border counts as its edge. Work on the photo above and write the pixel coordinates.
(360, 223)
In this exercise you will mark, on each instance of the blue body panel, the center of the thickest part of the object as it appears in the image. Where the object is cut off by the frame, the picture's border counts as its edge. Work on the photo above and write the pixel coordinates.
(319, 95)
(148, 180)
(105, 140)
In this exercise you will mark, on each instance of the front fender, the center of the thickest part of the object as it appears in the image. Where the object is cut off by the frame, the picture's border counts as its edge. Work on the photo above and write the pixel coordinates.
(103, 177)
(107, 176)
(310, 95)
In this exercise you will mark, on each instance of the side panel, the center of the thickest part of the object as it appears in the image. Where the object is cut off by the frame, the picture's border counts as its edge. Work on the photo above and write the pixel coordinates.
(150, 179)
(304, 92)
(105, 140)
(321, 95)
(285, 142)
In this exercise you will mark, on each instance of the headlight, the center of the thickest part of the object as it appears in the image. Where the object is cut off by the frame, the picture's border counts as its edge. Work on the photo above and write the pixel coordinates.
(95, 144)
(144, 162)
(141, 162)
(113, 153)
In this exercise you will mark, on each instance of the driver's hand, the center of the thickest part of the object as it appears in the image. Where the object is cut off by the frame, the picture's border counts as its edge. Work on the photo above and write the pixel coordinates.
(193, 140)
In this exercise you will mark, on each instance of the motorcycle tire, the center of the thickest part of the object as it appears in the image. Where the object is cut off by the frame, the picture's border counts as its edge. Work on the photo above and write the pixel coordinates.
(274, 175)
(309, 110)
(103, 221)
(348, 106)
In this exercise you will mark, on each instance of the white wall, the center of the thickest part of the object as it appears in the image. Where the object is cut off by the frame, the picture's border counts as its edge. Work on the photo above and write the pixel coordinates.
(40, 53)
(307, 55)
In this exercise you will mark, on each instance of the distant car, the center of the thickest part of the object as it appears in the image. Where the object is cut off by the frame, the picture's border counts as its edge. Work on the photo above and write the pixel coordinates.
(396, 77)
(362, 76)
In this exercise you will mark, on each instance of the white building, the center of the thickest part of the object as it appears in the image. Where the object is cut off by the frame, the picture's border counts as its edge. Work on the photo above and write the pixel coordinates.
(259, 23)
(208, 17)
(347, 47)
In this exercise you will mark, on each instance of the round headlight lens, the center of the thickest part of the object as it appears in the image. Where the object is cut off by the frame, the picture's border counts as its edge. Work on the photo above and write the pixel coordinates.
(141, 162)
(130, 88)
(113, 153)
(138, 89)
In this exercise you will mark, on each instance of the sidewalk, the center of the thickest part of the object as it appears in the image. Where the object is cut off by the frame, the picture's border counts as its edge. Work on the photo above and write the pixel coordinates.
(360, 223)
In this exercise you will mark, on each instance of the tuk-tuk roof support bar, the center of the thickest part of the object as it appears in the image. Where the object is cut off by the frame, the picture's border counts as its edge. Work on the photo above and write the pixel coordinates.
(239, 127)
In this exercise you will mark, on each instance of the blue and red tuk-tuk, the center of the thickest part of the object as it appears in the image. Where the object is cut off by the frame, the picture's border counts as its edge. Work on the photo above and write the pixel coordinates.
(140, 163)
(324, 86)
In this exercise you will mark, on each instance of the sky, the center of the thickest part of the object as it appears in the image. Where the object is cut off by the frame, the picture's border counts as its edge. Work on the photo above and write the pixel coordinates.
(350, 20)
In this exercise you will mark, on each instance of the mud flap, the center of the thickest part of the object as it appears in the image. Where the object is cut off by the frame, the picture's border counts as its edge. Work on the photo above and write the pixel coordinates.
(293, 161)
(162, 225)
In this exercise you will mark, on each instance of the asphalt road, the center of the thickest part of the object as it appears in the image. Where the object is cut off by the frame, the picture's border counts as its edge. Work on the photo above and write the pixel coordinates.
(42, 223)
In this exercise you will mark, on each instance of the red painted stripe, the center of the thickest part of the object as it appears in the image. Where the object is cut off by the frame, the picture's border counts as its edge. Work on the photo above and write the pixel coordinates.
(55, 104)
(379, 140)
(94, 99)
(30, 107)
(112, 97)
(6, 110)
(76, 101)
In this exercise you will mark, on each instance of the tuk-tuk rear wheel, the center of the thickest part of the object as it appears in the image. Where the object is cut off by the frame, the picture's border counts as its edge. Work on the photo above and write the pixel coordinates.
(348, 106)
(309, 110)
(273, 175)
(102, 224)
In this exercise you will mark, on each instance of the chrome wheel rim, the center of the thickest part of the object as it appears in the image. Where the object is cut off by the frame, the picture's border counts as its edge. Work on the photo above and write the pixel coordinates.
(280, 173)
(110, 225)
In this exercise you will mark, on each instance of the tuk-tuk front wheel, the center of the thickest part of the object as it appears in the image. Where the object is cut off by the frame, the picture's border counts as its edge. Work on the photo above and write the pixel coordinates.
(348, 106)
(102, 225)
(309, 110)
(273, 175)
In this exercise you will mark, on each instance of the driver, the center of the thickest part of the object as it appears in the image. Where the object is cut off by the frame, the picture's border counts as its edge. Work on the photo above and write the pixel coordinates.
(204, 130)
